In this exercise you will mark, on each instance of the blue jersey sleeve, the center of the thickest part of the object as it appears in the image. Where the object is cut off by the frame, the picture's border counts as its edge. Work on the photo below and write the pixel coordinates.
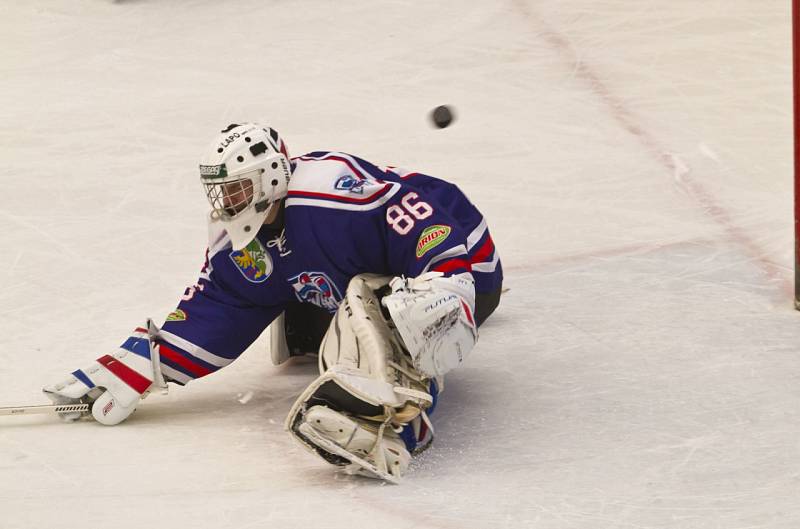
(210, 328)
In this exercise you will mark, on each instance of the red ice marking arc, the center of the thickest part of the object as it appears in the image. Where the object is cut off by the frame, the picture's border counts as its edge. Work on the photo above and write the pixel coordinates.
(628, 121)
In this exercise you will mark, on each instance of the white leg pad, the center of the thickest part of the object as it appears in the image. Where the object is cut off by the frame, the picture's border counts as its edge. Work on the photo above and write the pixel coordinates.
(355, 442)
(278, 347)
(367, 387)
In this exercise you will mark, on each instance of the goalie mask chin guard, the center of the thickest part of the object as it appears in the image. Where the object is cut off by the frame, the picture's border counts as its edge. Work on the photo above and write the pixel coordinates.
(245, 174)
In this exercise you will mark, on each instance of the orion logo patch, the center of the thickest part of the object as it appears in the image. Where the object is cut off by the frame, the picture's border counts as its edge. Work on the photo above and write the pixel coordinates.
(177, 315)
(316, 288)
(253, 262)
(351, 184)
(431, 237)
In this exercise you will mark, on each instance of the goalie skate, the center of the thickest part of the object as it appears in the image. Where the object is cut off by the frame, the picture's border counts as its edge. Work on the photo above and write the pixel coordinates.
(369, 453)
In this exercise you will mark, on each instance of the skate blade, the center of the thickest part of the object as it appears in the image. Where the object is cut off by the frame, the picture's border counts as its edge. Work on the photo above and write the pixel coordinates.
(362, 466)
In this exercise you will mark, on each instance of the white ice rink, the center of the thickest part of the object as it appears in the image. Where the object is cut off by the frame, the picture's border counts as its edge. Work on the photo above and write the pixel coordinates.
(633, 158)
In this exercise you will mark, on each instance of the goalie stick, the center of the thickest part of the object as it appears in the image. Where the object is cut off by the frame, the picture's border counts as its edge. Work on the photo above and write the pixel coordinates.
(42, 409)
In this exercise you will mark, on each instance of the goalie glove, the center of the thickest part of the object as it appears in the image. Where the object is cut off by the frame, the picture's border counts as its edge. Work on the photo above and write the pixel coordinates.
(434, 317)
(115, 383)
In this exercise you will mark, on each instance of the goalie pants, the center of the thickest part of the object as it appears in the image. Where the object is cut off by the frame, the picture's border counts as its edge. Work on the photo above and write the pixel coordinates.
(306, 324)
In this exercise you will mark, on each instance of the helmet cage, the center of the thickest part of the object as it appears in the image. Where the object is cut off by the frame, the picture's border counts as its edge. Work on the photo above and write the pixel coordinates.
(231, 196)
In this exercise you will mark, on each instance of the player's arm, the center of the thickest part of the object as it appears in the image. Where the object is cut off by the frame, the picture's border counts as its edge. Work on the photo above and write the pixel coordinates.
(209, 329)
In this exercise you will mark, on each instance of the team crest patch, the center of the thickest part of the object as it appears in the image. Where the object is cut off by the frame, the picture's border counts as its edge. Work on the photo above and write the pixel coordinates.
(351, 184)
(316, 288)
(253, 262)
(431, 237)
(177, 315)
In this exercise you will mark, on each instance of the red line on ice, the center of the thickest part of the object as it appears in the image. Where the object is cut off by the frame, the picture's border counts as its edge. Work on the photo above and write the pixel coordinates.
(620, 112)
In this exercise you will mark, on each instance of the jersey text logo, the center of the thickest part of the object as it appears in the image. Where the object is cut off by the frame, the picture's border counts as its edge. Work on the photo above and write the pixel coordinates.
(177, 315)
(213, 171)
(431, 237)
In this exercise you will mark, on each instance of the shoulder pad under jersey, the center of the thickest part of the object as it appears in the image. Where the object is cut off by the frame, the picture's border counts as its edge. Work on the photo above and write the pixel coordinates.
(336, 180)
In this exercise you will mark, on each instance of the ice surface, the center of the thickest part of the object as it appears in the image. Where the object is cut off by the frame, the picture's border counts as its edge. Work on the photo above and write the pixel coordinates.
(633, 159)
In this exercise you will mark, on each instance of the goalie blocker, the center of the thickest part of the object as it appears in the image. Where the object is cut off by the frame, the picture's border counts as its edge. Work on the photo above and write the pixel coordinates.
(381, 363)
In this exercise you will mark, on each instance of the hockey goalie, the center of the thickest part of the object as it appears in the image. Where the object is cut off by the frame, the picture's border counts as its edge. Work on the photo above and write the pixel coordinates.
(383, 273)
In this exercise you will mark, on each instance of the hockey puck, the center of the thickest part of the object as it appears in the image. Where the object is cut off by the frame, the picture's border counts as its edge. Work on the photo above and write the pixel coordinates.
(442, 116)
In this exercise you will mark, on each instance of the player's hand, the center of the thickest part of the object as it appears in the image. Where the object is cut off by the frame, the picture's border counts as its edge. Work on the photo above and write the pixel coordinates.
(433, 315)
(113, 384)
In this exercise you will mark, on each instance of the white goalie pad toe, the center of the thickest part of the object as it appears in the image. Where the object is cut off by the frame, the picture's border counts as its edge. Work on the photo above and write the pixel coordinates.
(374, 402)
(360, 449)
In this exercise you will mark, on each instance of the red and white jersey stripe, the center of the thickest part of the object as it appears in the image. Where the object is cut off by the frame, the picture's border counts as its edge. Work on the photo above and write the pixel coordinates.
(325, 181)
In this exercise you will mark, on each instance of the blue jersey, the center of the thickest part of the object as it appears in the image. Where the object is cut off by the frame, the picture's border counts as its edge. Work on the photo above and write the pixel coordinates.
(343, 216)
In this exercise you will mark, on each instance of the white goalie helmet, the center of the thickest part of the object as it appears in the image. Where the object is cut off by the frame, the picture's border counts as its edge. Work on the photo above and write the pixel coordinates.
(245, 173)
